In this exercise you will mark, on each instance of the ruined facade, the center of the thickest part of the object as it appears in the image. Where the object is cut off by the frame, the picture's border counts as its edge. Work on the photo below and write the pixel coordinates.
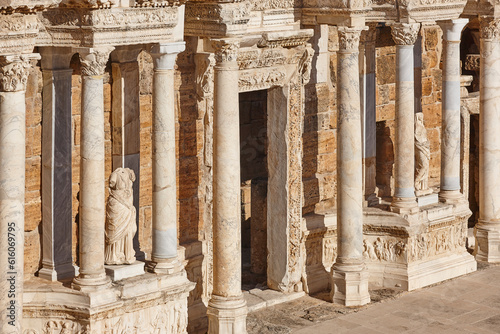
(297, 146)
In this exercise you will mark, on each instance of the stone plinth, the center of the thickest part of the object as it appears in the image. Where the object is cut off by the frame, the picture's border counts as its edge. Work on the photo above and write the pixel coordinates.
(119, 272)
(427, 199)
(155, 304)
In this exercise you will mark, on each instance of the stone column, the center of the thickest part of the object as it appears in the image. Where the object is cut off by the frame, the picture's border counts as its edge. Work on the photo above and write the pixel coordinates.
(405, 35)
(14, 71)
(165, 242)
(450, 129)
(57, 261)
(368, 85)
(487, 229)
(226, 309)
(92, 179)
(125, 121)
(350, 277)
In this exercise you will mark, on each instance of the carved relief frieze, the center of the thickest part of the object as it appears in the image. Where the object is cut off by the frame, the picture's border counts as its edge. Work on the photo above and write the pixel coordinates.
(405, 33)
(264, 79)
(215, 19)
(272, 4)
(385, 249)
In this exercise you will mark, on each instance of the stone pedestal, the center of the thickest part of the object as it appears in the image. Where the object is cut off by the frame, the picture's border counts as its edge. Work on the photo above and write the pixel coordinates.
(227, 308)
(92, 202)
(404, 201)
(487, 230)
(450, 139)
(14, 73)
(165, 241)
(57, 261)
(350, 279)
(119, 272)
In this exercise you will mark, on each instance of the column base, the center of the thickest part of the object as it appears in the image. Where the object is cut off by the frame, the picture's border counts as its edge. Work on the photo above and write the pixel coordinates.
(450, 196)
(164, 266)
(91, 282)
(487, 247)
(227, 315)
(66, 270)
(404, 205)
(350, 285)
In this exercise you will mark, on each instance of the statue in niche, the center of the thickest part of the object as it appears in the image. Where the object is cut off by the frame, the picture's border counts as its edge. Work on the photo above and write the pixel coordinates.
(422, 157)
(120, 218)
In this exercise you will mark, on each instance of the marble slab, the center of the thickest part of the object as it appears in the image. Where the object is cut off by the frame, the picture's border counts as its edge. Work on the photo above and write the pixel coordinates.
(119, 272)
(427, 199)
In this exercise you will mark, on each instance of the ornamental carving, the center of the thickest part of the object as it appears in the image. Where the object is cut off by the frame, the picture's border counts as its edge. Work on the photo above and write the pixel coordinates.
(260, 80)
(405, 33)
(225, 51)
(205, 74)
(94, 63)
(272, 4)
(382, 249)
(256, 59)
(14, 73)
(305, 65)
(490, 28)
(349, 38)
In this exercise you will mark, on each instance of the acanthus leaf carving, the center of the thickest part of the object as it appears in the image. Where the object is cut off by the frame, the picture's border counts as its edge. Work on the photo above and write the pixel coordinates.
(349, 38)
(94, 62)
(14, 72)
(225, 50)
(405, 33)
(490, 28)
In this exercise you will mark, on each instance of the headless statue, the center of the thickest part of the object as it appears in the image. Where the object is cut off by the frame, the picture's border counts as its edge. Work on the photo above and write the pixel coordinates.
(120, 218)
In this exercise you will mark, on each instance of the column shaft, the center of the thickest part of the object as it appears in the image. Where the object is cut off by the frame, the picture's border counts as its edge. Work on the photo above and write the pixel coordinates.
(487, 230)
(450, 140)
(92, 179)
(349, 273)
(227, 308)
(12, 173)
(165, 241)
(404, 193)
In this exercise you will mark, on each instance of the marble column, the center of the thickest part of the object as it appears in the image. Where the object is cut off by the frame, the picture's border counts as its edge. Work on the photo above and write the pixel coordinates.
(165, 242)
(450, 128)
(350, 277)
(125, 120)
(404, 35)
(14, 71)
(368, 85)
(92, 179)
(487, 229)
(57, 261)
(226, 309)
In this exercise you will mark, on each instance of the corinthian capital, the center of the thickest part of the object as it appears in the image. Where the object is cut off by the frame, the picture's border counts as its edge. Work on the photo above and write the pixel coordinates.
(225, 50)
(405, 33)
(490, 28)
(349, 38)
(94, 61)
(14, 72)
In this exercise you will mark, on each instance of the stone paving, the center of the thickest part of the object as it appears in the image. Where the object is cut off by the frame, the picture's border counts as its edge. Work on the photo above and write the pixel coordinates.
(468, 304)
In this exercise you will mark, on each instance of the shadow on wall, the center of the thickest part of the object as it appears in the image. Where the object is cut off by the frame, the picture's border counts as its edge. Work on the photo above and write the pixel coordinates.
(385, 160)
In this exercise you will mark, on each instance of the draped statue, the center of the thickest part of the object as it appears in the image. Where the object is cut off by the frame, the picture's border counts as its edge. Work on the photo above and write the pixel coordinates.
(422, 157)
(120, 218)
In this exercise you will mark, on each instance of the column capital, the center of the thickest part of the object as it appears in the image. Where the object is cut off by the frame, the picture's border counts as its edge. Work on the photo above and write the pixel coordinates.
(349, 38)
(225, 50)
(14, 71)
(94, 60)
(452, 29)
(369, 35)
(165, 54)
(55, 58)
(405, 33)
(490, 28)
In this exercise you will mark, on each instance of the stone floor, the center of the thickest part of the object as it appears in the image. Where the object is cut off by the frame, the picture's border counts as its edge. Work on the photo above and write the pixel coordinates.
(469, 304)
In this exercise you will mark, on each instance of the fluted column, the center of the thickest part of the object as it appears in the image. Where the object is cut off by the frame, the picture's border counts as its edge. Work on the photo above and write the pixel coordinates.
(92, 179)
(14, 71)
(404, 35)
(450, 139)
(350, 277)
(487, 229)
(57, 260)
(368, 86)
(227, 308)
(165, 242)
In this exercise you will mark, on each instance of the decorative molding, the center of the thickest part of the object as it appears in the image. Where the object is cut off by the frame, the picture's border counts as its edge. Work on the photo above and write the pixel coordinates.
(225, 50)
(405, 33)
(14, 72)
(256, 80)
(94, 62)
(272, 4)
(349, 39)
